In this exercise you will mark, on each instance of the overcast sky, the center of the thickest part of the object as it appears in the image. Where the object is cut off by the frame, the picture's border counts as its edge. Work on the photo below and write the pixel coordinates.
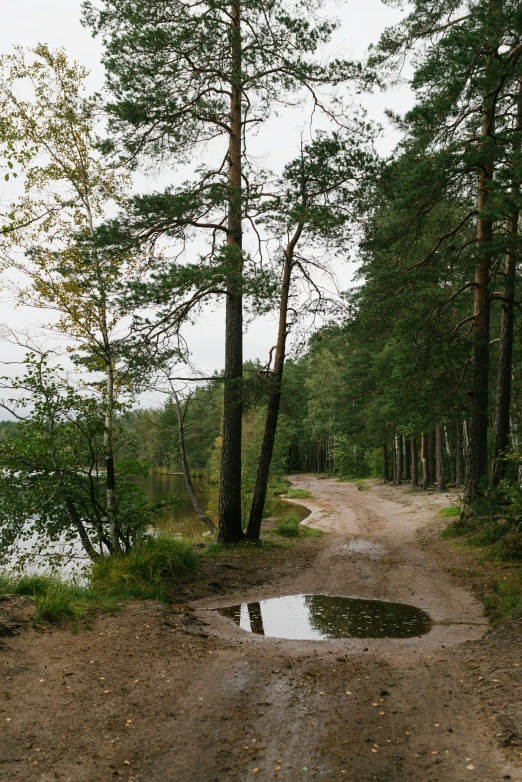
(57, 23)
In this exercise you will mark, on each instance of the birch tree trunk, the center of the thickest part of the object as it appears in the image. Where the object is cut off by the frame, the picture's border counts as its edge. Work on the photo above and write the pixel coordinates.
(448, 451)
(441, 478)
(186, 474)
(424, 461)
(109, 464)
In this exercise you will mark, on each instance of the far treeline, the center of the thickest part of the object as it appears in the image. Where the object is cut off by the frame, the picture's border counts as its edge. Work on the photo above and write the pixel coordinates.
(416, 374)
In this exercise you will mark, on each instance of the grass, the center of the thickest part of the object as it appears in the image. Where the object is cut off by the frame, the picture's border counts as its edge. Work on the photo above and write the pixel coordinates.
(146, 572)
(279, 486)
(298, 494)
(290, 527)
(505, 600)
(447, 513)
(498, 541)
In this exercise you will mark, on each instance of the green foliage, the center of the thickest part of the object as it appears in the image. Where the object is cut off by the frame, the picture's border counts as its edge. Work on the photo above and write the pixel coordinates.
(494, 522)
(52, 487)
(505, 602)
(288, 527)
(148, 569)
(147, 572)
(447, 513)
(298, 494)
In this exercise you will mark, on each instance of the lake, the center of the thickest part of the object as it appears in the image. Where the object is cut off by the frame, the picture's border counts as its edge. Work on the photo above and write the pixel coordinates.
(183, 519)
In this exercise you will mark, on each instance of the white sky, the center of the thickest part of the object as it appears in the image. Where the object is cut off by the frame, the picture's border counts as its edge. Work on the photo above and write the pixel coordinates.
(57, 23)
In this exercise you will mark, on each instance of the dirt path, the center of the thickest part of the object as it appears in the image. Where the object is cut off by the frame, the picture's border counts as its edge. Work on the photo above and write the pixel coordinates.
(153, 694)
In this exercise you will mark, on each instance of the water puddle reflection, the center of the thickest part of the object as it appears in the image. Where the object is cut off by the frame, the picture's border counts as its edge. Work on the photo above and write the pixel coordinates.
(323, 617)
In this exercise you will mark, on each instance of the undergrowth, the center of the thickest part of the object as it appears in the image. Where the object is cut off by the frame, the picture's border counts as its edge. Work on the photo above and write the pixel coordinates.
(493, 524)
(298, 494)
(447, 513)
(290, 527)
(146, 572)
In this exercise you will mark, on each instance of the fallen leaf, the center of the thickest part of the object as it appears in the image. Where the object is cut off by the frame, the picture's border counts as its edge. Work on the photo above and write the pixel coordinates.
(277, 768)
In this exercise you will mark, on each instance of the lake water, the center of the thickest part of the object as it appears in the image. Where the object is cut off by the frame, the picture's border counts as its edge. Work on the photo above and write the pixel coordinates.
(183, 519)
(180, 520)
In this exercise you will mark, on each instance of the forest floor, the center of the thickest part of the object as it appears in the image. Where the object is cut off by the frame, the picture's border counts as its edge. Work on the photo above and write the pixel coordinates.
(181, 694)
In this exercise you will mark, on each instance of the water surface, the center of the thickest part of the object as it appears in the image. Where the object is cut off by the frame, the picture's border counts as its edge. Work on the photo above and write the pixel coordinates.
(325, 617)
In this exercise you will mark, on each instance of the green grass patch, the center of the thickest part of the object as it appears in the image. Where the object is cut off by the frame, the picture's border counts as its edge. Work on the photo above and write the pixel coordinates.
(279, 486)
(298, 494)
(447, 513)
(290, 527)
(505, 600)
(146, 572)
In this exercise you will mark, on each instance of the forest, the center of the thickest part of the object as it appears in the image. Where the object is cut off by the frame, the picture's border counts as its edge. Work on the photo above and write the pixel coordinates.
(414, 374)
(135, 217)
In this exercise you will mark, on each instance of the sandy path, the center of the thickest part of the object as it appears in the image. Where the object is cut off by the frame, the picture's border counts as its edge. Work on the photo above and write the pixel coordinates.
(150, 695)
(409, 715)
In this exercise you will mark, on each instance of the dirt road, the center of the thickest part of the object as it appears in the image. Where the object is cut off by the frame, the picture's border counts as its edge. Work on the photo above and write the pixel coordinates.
(154, 694)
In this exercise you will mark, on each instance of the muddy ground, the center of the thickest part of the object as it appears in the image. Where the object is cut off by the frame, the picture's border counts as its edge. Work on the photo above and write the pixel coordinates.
(180, 694)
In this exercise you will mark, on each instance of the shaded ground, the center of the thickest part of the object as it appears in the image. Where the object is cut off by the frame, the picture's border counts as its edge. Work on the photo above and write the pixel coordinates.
(156, 693)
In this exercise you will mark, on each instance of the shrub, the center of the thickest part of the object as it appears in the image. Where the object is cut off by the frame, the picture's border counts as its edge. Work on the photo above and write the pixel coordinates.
(288, 526)
(146, 570)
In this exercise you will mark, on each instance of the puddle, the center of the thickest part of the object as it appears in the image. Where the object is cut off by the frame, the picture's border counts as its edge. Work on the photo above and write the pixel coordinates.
(322, 617)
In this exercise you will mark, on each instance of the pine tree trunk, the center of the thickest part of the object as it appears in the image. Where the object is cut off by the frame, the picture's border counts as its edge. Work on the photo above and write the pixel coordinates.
(414, 463)
(459, 456)
(441, 478)
(425, 479)
(407, 459)
(394, 462)
(385, 472)
(432, 468)
(274, 399)
(230, 529)
(505, 358)
(477, 451)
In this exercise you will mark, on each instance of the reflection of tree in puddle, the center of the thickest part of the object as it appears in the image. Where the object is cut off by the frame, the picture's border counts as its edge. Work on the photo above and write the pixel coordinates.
(321, 617)
(232, 612)
(343, 617)
(256, 619)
